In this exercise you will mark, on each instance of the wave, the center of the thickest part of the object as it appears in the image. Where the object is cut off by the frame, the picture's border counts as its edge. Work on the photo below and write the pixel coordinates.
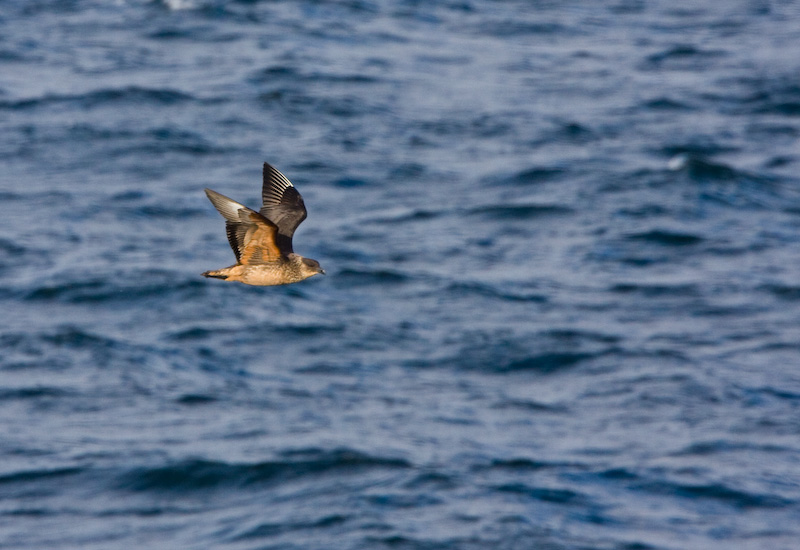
(98, 140)
(34, 392)
(405, 215)
(69, 346)
(299, 101)
(704, 448)
(545, 362)
(10, 248)
(43, 474)
(73, 337)
(272, 529)
(770, 95)
(545, 494)
(662, 103)
(704, 170)
(737, 498)
(519, 211)
(158, 141)
(453, 126)
(106, 96)
(530, 176)
(652, 290)
(274, 73)
(246, 332)
(159, 210)
(700, 491)
(546, 352)
(519, 27)
(111, 289)
(666, 237)
(193, 399)
(367, 276)
(681, 57)
(193, 475)
(529, 405)
(782, 291)
(197, 333)
(206, 34)
(521, 465)
(509, 293)
(712, 182)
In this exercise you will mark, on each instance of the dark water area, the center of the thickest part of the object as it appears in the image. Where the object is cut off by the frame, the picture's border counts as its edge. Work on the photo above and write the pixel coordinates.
(562, 308)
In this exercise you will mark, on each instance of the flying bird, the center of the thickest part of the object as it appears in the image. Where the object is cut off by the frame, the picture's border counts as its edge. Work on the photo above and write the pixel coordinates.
(262, 241)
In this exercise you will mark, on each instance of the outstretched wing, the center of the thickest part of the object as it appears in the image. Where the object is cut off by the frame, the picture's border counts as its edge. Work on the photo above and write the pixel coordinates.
(282, 205)
(251, 236)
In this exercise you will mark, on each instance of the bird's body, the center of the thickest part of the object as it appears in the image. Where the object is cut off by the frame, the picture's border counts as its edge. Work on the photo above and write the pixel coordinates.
(262, 241)
(281, 272)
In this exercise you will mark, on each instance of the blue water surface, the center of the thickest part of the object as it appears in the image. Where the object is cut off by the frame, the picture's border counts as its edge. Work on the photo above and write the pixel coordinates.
(562, 308)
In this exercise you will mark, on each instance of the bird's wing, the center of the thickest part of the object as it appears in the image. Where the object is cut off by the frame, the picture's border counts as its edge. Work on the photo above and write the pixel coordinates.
(282, 205)
(251, 236)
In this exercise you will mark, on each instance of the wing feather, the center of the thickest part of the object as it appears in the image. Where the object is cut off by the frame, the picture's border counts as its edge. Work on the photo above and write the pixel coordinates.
(251, 236)
(282, 205)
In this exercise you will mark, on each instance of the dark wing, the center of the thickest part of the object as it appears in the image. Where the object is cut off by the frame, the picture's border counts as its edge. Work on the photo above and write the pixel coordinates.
(283, 206)
(251, 236)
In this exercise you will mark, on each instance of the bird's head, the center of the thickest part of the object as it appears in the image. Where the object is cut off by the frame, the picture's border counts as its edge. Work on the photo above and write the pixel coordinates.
(311, 267)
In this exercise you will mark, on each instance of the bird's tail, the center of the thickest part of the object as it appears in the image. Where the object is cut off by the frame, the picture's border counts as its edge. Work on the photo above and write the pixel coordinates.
(215, 274)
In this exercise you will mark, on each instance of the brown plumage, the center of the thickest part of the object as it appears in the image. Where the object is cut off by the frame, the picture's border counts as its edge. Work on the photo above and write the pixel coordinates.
(262, 241)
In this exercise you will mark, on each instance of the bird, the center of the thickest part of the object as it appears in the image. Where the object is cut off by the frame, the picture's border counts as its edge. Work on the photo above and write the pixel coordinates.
(262, 241)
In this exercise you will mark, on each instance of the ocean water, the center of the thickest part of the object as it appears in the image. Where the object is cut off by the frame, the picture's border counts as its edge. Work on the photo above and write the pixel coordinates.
(562, 308)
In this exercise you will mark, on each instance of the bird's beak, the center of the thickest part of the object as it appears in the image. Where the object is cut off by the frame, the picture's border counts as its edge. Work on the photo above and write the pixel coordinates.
(322, 271)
